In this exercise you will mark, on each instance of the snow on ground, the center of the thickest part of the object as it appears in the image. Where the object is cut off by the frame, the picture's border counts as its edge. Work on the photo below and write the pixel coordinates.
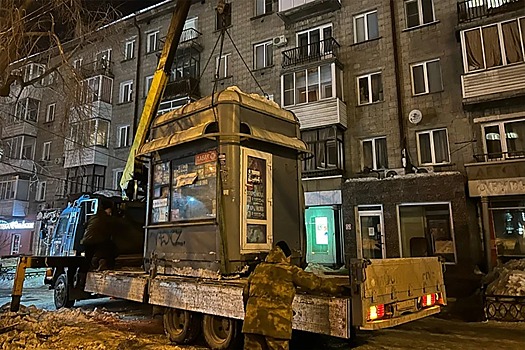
(32, 328)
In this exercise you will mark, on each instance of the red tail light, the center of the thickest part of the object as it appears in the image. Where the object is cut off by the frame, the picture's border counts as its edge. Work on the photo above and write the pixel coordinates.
(428, 300)
(376, 312)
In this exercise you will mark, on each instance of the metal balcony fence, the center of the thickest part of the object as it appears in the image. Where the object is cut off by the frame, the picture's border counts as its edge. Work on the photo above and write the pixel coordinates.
(469, 10)
(312, 52)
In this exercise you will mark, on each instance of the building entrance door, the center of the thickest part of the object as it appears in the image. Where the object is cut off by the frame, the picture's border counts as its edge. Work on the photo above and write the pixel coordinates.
(370, 232)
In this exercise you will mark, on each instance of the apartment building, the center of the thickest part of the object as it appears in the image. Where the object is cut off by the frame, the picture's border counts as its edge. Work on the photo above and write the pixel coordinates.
(400, 104)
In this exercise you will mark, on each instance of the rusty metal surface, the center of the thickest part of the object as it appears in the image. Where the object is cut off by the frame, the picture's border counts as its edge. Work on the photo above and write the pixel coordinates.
(323, 315)
(125, 285)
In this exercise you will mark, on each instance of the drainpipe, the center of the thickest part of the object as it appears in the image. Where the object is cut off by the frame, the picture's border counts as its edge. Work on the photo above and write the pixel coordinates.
(137, 77)
(487, 239)
(401, 122)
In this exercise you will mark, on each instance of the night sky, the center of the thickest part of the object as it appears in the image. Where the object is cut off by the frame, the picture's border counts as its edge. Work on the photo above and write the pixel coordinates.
(123, 6)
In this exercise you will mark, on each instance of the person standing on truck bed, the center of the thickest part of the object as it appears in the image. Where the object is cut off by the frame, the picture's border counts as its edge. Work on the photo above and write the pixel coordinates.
(268, 298)
(97, 242)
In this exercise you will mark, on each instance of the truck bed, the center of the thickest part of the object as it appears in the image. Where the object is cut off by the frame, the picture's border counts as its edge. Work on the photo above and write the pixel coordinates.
(313, 313)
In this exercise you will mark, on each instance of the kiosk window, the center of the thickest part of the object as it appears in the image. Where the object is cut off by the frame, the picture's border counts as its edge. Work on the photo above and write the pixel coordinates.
(161, 192)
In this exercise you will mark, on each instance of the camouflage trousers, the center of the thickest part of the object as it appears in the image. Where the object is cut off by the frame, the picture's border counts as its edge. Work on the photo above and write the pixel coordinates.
(260, 342)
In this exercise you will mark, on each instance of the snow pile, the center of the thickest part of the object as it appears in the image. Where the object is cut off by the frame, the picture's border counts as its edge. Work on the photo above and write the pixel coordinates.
(507, 279)
(32, 328)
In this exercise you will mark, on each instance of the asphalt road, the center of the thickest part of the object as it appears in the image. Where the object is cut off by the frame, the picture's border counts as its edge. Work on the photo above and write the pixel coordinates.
(430, 333)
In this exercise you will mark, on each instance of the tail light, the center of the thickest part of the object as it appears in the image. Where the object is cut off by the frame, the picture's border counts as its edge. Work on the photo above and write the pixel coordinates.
(428, 300)
(376, 312)
(440, 299)
(49, 272)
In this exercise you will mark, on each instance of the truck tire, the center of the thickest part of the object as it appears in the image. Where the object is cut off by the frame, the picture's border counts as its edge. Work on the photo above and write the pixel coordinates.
(61, 293)
(181, 326)
(221, 333)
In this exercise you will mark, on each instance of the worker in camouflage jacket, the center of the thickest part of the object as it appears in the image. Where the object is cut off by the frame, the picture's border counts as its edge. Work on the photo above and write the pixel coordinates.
(268, 298)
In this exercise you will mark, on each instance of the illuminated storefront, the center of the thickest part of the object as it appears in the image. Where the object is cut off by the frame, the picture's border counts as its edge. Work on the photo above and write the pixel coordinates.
(16, 237)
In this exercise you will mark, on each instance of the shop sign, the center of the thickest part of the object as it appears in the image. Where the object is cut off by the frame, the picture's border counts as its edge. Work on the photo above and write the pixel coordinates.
(496, 187)
(16, 225)
(206, 157)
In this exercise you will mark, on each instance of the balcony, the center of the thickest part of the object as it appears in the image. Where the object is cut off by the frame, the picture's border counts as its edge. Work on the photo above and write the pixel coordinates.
(469, 10)
(313, 52)
(494, 84)
(86, 156)
(187, 86)
(13, 207)
(91, 110)
(190, 38)
(296, 10)
(99, 67)
(19, 128)
(16, 166)
(321, 113)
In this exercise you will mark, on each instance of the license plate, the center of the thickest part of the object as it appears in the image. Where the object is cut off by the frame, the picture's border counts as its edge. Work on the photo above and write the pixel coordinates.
(405, 305)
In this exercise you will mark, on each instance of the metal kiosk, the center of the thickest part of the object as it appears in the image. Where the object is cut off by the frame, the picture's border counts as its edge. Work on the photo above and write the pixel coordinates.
(224, 185)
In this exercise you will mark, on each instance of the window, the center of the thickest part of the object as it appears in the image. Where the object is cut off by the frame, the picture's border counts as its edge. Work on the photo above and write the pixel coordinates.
(263, 7)
(494, 45)
(27, 109)
(508, 220)
(93, 132)
(50, 115)
(46, 150)
(366, 27)
(426, 230)
(326, 145)
(147, 86)
(103, 59)
(315, 41)
(15, 244)
(98, 88)
(370, 88)
(224, 20)
(126, 91)
(433, 147)
(311, 85)
(152, 42)
(180, 194)
(77, 63)
(263, 55)
(375, 154)
(117, 176)
(129, 49)
(8, 185)
(40, 191)
(418, 12)
(426, 77)
(33, 71)
(222, 66)
(504, 140)
(123, 136)
(190, 30)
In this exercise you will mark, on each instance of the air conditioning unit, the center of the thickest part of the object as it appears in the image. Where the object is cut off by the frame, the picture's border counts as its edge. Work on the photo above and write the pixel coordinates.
(425, 169)
(394, 172)
(280, 40)
(59, 161)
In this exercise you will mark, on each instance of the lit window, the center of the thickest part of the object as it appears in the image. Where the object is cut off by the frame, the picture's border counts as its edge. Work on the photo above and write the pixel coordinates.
(418, 12)
(263, 55)
(375, 154)
(433, 147)
(326, 146)
(504, 140)
(370, 88)
(152, 42)
(126, 91)
(426, 77)
(366, 27)
(15, 244)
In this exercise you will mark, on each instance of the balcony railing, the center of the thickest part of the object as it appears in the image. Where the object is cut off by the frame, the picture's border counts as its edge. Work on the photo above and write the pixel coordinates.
(469, 10)
(499, 156)
(311, 52)
(189, 34)
(182, 87)
(99, 67)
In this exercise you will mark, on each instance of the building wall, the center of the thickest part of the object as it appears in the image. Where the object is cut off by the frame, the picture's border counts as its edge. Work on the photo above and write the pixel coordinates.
(26, 239)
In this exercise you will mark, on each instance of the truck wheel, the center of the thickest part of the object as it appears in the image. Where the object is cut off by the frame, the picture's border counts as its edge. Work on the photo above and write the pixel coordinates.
(181, 326)
(220, 333)
(61, 293)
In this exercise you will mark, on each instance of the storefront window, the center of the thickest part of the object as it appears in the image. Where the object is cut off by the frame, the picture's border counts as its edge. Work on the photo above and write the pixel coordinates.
(509, 227)
(186, 190)
(426, 230)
